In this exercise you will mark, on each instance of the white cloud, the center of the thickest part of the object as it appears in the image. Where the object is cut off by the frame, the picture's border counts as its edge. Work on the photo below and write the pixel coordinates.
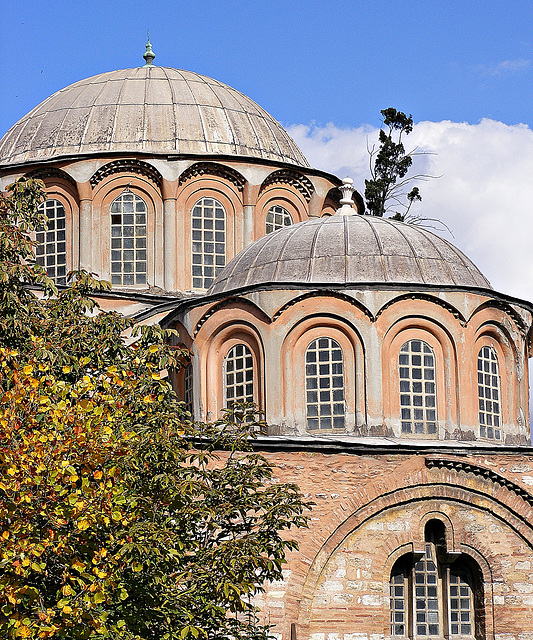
(484, 194)
(507, 67)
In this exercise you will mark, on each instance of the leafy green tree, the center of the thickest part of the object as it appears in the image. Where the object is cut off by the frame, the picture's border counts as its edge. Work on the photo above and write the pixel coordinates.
(119, 517)
(386, 191)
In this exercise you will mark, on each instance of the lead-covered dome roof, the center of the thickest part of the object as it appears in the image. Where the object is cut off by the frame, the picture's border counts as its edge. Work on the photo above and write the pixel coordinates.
(154, 110)
(350, 250)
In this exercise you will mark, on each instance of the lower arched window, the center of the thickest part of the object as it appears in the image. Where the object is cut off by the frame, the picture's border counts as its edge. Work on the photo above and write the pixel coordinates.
(51, 251)
(324, 385)
(418, 394)
(188, 388)
(208, 242)
(277, 218)
(435, 595)
(488, 381)
(238, 375)
(128, 240)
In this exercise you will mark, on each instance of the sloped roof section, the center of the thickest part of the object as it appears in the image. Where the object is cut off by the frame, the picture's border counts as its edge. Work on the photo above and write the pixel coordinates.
(350, 250)
(154, 110)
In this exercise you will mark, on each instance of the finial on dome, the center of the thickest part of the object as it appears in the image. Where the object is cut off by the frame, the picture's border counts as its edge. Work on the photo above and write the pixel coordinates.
(149, 55)
(347, 190)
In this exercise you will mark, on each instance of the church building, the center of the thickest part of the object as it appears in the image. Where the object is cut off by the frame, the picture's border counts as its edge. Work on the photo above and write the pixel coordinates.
(393, 377)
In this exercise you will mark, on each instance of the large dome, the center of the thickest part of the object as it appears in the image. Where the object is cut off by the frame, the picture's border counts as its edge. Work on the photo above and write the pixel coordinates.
(153, 110)
(350, 250)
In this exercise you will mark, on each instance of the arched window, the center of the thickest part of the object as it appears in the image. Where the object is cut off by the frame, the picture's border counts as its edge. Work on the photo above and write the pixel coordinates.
(488, 381)
(238, 375)
(435, 595)
(208, 242)
(418, 397)
(187, 389)
(277, 218)
(324, 385)
(128, 240)
(52, 248)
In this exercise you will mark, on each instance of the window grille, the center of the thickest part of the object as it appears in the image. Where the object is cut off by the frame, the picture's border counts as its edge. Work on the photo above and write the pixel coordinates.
(128, 240)
(51, 250)
(187, 389)
(426, 595)
(324, 383)
(431, 598)
(208, 242)
(489, 394)
(461, 603)
(238, 375)
(277, 218)
(418, 398)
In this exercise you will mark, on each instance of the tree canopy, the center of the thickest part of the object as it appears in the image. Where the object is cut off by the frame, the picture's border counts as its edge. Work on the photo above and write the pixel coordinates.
(119, 516)
(386, 191)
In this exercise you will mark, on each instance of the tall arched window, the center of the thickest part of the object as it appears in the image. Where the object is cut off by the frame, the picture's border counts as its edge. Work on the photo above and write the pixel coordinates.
(238, 375)
(488, 381)
(434, 595)
(188, 389)
(128, 240)
(277, 218)
(324, 385)
(418, 396)
(208, 242)
(52, 248)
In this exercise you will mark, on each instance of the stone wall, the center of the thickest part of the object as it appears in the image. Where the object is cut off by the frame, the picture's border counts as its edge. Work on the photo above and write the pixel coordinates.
(372, 507)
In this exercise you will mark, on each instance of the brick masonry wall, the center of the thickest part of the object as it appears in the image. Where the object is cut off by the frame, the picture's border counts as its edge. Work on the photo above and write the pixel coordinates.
(372, 508)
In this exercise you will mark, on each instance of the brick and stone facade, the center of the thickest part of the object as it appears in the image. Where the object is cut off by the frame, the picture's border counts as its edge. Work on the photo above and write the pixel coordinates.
(393, 378)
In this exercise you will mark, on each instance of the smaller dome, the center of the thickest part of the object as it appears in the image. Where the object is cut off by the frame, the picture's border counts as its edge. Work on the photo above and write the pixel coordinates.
(350, 250)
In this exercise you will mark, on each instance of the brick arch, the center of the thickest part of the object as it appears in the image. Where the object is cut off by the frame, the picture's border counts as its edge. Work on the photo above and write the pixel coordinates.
(228, 303)
(201, 169)
(498, 503)
(300, 332)
(291, 177)
(504, 307)
(52, 173)
(323, 294)
(426, 298)
(440, 338)
(132, 166)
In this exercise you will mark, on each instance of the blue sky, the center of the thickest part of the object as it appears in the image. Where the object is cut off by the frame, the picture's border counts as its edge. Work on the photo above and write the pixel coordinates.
(303, 61)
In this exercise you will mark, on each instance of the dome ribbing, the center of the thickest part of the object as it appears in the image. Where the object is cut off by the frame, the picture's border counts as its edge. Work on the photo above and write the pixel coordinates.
(153, 110)
(350, 250)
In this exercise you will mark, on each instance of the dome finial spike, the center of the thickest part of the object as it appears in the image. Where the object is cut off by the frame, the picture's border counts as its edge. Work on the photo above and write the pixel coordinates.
(148, 55)
(347, 189)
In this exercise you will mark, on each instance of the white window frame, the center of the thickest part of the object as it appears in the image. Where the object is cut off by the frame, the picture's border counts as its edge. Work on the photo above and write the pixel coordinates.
(239, 375)
(51, 250)
(489, 394)
(325, 385)
(129, 240)
(277, 218)
(418, 389)
(209, 241)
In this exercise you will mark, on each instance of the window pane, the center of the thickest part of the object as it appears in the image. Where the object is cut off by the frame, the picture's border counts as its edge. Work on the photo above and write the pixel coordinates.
(237, 371)
(488, 388)
(277, 218)
(461, 609)
(53, 255)
(187, 389)
(208, 256)
(397, 604)
(415, 394)
(329, 379)
(128, 230)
